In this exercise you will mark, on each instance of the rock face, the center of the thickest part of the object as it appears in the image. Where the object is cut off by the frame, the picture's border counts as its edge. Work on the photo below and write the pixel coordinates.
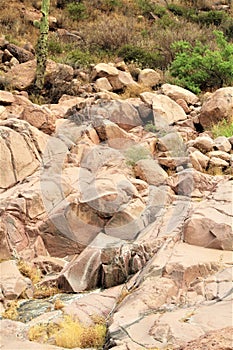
(217, 107)
(210, 224)
(20, 152)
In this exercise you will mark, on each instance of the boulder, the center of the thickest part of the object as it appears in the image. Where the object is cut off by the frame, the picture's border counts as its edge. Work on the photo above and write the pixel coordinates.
(103, 84)
(22, 76)
(221, 143)
(210, 223)
(164, 108)
(217, 107)
(123, 79)
(20, 53)
(39, 117)
(21, 145)
(150, 171)
(176, 92)
(204, 143)
(6, 98)
(170, 278)
(104, 70)
(13, 284)
(149, 77)
(199, 160)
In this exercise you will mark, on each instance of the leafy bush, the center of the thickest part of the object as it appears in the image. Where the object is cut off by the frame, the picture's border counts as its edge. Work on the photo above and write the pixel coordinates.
(54, 46)
(77, 10)
(198, 67)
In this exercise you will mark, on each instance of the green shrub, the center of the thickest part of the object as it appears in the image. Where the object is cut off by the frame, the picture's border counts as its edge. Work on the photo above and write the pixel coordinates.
(77, 11)
(144, 58)
(150, 127)
(209, 17)
(147, 7)
(78, 58)
(136, 153)
(197, 68)
(223, 128)
(54, 46)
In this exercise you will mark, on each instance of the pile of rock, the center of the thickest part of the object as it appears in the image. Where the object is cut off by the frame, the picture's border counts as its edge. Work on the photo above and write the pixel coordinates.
(94, 199)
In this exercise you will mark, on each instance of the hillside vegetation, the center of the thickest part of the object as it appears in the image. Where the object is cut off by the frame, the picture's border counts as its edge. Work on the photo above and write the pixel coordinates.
(190, 40)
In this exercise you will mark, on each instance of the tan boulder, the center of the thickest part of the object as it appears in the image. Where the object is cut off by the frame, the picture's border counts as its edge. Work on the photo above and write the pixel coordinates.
(39, 117)
(210, 224)
(22, 145)
(199, 160)
(149, 77)
(176, 92)
(6, 98)
(20, 53)
(216, 162)
(204, 143)
(217, 107)
(222, 144)
(104, 70)
(22, 76)
(150, 171)
(103, 84)
(13, 284)
(127, 222)
(123, 79)
(166, 111)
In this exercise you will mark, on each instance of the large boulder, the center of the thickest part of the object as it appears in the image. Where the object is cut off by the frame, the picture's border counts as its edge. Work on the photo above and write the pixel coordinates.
(22, 76)
(166, 111)
(149, 77)
(176, 92)
(210, 223)
(19, 53)
(13, 283)
(20, 155)
(150, 171)
(217, 107)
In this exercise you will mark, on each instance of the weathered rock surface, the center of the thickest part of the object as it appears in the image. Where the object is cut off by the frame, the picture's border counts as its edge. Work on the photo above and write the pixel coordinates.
(177, 92)
(217, 107)
(210, 223)
(20, 155)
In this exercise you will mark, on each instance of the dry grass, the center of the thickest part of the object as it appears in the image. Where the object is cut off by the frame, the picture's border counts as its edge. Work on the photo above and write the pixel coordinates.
(30, 271)
(11, 311)
(69, 334)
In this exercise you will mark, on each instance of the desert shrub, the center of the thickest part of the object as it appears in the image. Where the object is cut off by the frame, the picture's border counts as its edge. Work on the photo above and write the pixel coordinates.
(107, 5)
(77, 10)
(198, 67)
(209, 17)
(147, 7)
(110, 32)
(139, 55)
(54, 46)
(223, 128)
(78, 58)
(69, 334)
(149, 127)
(136, 153)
